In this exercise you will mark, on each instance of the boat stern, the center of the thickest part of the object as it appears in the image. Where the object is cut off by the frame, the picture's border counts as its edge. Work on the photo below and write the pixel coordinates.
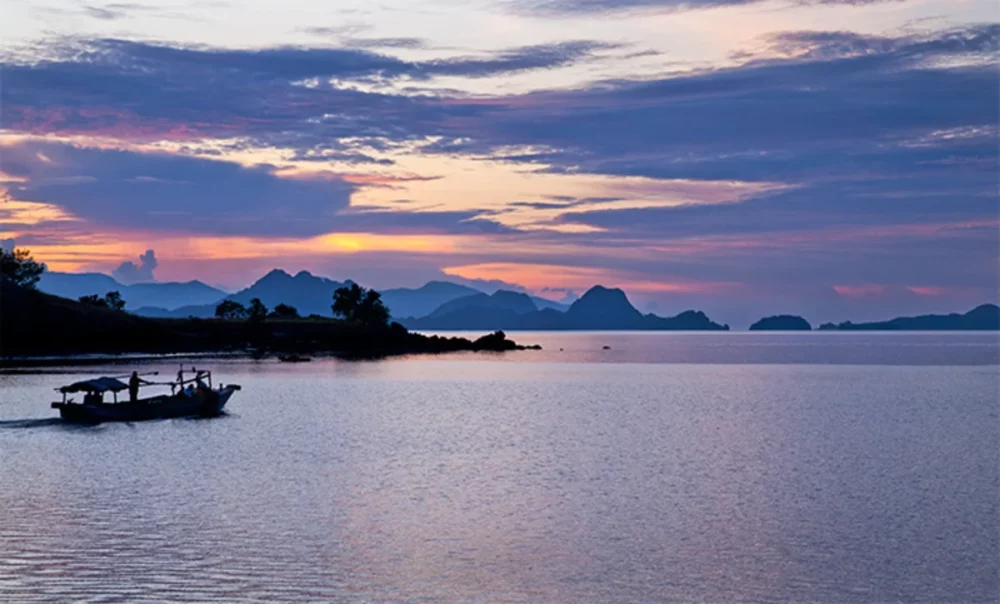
(76, 413)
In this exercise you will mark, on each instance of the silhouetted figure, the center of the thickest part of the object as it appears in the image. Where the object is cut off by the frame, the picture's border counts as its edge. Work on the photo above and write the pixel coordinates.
(133, 386)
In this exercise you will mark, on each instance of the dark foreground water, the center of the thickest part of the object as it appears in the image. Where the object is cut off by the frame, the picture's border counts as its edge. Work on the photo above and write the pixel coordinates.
(585, 475)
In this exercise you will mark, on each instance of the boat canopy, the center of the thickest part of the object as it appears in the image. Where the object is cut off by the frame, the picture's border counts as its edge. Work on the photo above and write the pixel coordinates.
(101, 384)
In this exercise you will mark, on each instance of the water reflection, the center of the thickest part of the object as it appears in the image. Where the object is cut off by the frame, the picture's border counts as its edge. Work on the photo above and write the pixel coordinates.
(460, 479)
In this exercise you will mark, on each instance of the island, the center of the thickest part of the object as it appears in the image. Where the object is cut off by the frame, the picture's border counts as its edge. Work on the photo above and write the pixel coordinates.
(781, 323)
(33, 323)
(985, 317)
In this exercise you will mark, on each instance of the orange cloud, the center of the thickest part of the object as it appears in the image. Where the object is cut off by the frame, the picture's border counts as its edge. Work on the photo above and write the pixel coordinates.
(926, 290)
(856, 291)
(535, 277)
(29, 213)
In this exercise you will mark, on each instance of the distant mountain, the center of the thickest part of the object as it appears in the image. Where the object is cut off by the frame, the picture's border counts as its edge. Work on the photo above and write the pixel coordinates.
(167, 295)
(515, 302)
(424, 300)
(599, 308)
(419, 302)
(604, 308)
(781, 323)
(478, 311)
(309, 294)
(981, 318)
(543, 303)
(75, 285)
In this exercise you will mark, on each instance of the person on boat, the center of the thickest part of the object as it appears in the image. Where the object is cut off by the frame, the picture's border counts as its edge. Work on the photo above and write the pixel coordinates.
(133, 386)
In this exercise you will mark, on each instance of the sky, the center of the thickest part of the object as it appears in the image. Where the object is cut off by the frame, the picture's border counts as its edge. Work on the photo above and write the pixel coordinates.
(836, 159)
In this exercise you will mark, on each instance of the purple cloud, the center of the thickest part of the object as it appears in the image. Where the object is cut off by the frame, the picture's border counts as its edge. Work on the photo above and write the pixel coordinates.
(129, 272)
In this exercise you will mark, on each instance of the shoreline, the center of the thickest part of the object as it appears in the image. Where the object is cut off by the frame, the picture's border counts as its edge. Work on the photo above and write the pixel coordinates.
(35, 325)
(105, 358)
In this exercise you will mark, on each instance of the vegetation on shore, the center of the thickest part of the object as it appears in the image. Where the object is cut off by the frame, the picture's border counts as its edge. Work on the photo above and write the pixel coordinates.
(33, 323)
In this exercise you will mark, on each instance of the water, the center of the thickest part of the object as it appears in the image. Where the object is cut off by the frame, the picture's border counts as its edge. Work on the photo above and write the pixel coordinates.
(837, 468)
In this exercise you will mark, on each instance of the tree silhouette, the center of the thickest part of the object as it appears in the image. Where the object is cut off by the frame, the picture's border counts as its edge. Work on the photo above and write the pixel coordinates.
(359, 305)
(18, 267)
(284, 311)
(112, 300)
(346, 301)
(230, 309)
(256, 311)
(93, 300)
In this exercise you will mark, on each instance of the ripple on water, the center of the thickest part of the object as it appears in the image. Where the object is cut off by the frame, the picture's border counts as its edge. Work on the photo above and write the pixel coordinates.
(470, 480)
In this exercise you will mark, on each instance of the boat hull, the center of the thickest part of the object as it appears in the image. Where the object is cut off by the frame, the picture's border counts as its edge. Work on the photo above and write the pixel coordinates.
(207, 403)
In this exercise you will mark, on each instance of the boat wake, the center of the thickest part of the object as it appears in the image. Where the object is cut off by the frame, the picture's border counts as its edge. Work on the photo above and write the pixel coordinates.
(13, 424)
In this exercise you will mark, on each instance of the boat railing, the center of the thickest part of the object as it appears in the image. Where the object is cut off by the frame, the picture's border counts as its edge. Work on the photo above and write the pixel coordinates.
(201, 378)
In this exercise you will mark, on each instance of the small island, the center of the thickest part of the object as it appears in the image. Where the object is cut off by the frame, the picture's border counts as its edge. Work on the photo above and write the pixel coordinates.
(781, 323)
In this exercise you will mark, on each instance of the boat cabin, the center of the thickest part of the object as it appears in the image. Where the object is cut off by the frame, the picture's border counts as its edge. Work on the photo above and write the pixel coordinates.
(95, 389)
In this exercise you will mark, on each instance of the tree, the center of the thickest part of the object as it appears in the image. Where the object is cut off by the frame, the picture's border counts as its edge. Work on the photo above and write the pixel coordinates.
(257, 311)
(18, 267)
(359, 305)
(230, 309)
(112, 300)
(284, 311)
(93, 300)
(346, 301)
(373, 310)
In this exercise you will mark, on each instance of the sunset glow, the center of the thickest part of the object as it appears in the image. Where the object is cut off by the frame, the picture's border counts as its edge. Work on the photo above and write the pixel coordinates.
(787, 154)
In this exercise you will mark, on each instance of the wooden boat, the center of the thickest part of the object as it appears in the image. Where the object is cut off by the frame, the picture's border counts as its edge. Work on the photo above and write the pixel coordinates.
(198, 399)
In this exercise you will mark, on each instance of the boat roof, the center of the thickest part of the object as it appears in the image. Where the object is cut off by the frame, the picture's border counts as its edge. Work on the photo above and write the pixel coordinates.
(101, 384)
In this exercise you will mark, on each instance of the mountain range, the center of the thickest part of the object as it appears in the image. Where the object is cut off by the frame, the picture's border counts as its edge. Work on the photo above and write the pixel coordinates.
(985, 317)
(137, 295)
(599, 308)
(310, 294)
(441, 305)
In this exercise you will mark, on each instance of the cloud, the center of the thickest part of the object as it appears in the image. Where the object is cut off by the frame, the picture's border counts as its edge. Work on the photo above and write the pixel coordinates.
(541, 56)
(164, 192)
(125, 10)
(103, 13)
(276, 96)
(776, 113)
(771, 111)
(108, 58)
(885, 145)
(409, 43)
(557, 8)
(156, 192)
(129, 272)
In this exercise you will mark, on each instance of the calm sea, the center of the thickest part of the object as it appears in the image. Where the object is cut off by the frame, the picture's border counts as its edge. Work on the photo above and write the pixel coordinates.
(669, 467)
